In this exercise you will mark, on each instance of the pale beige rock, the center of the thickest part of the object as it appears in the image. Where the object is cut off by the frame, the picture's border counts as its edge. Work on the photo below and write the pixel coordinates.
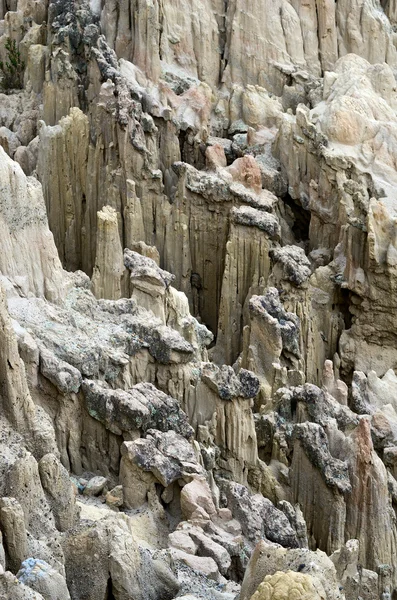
(356, 111)
(115, 497)
(197, 494)
(23, 480)
(247, 267)
(35, 35)
(25, 158)
(228, 423)
(65, 188)
(44, 579)
(13, 25)
(36, 261)
(36, 9)
(356, 581)
(134, 227)
(9, 141)
(282, 586)
(182, 541)
(331, 509)
(368, 513)
(204, 565)
(337, 388)
(194, 108)
(199, 72)
(17, 404)
(215, 157)
(269, 560)
(261, 46)
(15, 537)
(108, 278)
(60, 89)
(36, 62)
(10, 587)
(258, 40)
(118, 558)
(259, 109)
(136, 483)
(246, 171)
(58, 487)
(207, 547)
(145, 250)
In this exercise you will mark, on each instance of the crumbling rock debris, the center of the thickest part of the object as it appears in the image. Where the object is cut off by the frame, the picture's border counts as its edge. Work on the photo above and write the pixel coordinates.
(140, 408)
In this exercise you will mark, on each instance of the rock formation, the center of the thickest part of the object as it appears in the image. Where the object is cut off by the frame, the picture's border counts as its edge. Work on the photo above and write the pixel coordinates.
(198, 342)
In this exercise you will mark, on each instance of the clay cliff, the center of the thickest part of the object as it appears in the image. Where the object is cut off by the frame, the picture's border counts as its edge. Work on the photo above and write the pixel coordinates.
(198, 275)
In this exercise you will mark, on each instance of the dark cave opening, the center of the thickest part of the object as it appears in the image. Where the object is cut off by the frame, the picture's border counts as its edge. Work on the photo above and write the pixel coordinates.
(192, 152)
(109, 590)
(301, 216)
(344, 307)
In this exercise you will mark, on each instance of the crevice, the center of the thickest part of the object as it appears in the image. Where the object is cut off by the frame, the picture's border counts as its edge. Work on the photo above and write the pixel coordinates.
(225, 35)
(319, 41)
(344, 303)
(192, 153)
(109, 590)
(222, 41)
(301, 216)
(237, 570)
(161, 28)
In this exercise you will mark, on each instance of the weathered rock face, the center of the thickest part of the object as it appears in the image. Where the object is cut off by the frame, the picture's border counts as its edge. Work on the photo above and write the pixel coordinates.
(197, 300)
(273, 570)
(259, 44)
(28, 253)
(357, 222)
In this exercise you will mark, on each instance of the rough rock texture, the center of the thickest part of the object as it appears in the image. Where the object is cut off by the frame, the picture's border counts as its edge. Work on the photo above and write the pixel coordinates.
(197, 300)
(269, 561)
(287, 585)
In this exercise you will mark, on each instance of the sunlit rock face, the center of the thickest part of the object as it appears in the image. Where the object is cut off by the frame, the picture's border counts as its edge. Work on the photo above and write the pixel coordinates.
(197, 300)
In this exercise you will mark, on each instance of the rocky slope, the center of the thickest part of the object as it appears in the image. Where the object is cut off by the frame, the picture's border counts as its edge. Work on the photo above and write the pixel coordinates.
(198, 270)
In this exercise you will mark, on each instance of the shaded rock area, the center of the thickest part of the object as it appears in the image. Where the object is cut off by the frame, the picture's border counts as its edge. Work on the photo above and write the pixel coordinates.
(198, 333)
